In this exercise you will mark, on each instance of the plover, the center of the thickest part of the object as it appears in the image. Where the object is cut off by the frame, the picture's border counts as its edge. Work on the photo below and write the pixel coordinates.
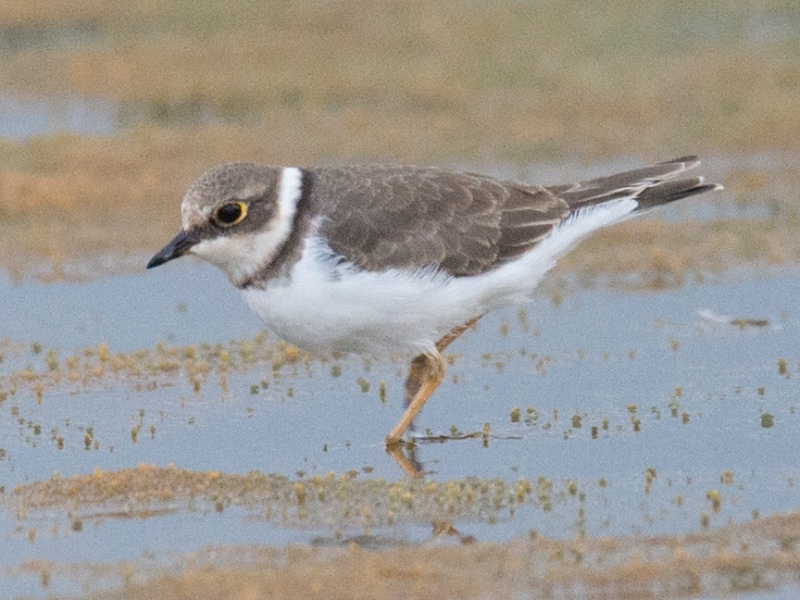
(377, 259)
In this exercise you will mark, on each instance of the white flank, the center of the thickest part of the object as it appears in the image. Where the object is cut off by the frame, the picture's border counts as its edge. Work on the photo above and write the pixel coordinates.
(514, 281)
(242, 255)
(327, 306)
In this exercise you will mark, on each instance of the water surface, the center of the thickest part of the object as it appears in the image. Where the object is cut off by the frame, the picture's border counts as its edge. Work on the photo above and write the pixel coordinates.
(633, 406)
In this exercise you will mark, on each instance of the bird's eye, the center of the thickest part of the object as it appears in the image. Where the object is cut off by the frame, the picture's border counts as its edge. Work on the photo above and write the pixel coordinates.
(230, 213)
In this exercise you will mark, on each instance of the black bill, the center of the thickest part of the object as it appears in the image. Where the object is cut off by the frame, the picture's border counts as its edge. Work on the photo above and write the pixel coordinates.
(179, 246)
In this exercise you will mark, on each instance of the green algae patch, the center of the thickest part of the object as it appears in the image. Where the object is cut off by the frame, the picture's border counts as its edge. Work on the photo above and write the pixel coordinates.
(148, 368)
(331, 500)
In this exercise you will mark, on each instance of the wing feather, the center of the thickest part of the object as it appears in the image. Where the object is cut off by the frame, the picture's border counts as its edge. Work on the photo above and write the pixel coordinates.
(380, 217)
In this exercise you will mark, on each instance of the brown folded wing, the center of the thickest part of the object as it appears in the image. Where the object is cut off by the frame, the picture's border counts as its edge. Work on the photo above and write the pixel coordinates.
(380, 217)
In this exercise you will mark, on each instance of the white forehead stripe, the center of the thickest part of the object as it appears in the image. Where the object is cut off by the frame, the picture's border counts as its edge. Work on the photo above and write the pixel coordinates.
(242, 256)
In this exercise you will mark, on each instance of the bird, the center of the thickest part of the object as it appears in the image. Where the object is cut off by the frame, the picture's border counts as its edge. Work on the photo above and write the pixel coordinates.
(378, 259)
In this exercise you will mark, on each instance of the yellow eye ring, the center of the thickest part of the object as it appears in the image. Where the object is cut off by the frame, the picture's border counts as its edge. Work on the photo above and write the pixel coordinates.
(230, 213)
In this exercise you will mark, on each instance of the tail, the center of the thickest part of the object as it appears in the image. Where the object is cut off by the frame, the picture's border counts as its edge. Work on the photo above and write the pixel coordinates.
(651, 186)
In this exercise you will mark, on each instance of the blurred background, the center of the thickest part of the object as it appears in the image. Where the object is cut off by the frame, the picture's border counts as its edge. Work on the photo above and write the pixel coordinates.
(647, 395)
(108, 109)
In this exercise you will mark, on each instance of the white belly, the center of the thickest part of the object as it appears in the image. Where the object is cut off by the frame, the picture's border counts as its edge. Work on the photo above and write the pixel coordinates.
(322, 305)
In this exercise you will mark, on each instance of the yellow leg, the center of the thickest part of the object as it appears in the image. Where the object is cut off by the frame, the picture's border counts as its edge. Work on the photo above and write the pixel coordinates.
(451, 337)
(426, 373)
(409, 467)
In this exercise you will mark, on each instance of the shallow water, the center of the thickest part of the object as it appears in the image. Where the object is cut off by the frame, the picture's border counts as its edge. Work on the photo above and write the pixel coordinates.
(23, 116)
(644, 410)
